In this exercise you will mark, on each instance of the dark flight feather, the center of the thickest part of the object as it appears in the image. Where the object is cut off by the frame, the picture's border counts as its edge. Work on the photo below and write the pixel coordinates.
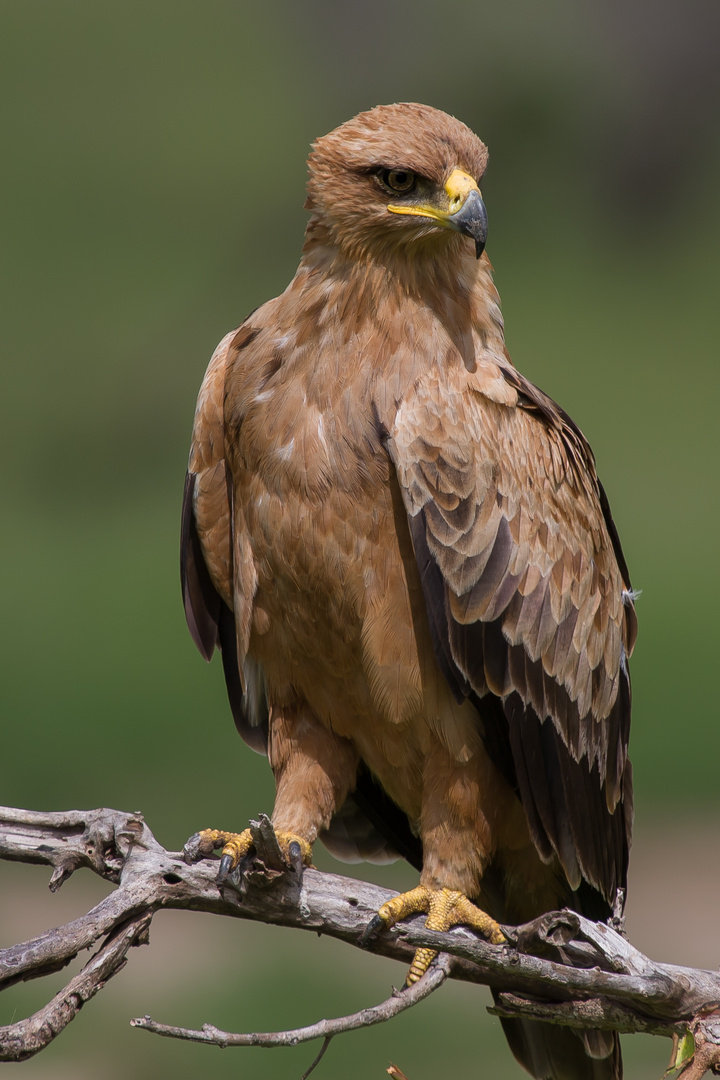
(202, 602)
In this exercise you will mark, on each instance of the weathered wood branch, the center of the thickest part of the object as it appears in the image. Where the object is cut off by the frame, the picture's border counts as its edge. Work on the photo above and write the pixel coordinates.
(323, 1029)
(560, 968)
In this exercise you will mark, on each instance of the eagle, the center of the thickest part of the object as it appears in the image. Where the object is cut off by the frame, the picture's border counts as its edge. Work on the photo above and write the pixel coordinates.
(402, 549)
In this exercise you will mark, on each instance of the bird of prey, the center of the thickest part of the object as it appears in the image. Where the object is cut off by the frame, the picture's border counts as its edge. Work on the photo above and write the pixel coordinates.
(404, 553)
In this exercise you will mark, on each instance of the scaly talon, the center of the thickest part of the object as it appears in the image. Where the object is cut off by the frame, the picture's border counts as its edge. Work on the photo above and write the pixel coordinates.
(202, 844)
(445, 908)
(235, 846)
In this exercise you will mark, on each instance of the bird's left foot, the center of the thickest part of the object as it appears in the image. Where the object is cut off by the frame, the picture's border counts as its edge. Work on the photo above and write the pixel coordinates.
(235, 846)
(445, 908)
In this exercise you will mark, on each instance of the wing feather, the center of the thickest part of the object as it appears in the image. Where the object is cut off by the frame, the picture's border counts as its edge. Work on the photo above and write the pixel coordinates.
(216, 566)
(529, 605)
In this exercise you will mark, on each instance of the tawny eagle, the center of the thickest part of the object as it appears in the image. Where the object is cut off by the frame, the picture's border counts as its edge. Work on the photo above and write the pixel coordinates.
(403, 550)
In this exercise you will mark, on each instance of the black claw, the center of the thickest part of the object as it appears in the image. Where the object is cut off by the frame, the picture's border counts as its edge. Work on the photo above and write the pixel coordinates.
(226, 865)
(295, 854)
(192, 852)
(372, 929)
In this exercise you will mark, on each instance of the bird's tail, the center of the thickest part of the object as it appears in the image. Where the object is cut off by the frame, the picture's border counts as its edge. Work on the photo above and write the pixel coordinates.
(550, 1052)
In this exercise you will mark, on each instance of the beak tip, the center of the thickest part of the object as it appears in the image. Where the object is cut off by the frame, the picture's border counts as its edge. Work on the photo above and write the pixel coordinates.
(471, 219)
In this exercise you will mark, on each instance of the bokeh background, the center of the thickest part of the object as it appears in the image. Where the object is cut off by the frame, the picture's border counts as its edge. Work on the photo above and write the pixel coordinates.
(152, 187)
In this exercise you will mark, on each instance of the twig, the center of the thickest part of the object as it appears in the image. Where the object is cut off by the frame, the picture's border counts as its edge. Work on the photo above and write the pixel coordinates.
(323, 1029)
(318, 1058)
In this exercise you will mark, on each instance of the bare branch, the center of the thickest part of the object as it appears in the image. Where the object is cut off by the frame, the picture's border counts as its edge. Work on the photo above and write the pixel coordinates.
(99, 839)
(560, 968)
(592, 1013)
(22, 1040)
(323, 1029)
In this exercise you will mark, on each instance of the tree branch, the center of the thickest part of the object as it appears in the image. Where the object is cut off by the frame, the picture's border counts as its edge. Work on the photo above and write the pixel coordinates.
(323, 1029)
(561, 968)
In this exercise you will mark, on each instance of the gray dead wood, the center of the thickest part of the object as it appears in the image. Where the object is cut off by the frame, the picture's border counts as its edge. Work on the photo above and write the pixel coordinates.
(560, 968)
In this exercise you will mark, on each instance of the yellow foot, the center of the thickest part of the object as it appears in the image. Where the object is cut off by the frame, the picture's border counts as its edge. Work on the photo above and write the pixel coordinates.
(445, 908)
(235, 846)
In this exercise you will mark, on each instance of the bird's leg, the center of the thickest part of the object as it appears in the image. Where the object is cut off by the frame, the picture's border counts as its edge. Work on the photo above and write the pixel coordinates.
(314, 771)
(457, 831)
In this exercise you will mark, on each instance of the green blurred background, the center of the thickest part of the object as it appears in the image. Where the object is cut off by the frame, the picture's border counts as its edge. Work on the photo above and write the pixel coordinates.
(153, 164)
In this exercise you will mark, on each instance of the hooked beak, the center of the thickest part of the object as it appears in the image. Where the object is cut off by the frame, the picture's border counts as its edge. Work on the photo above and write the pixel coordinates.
(471, 219)
(465, 211)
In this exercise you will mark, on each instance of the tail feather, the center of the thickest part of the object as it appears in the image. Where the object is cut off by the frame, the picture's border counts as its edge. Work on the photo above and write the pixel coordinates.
(550, 1052)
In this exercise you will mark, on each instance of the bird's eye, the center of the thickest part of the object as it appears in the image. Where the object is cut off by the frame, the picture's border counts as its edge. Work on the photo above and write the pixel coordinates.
(400, 180)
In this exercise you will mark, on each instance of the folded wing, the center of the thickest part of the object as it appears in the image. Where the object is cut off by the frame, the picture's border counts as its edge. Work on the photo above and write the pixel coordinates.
(529, 604)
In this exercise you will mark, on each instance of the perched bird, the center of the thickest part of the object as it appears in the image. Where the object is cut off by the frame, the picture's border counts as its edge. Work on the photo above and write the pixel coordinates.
(403, 551)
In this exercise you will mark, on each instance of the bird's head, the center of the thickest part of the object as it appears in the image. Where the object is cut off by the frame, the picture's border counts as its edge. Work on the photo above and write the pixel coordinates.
(399, 180)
